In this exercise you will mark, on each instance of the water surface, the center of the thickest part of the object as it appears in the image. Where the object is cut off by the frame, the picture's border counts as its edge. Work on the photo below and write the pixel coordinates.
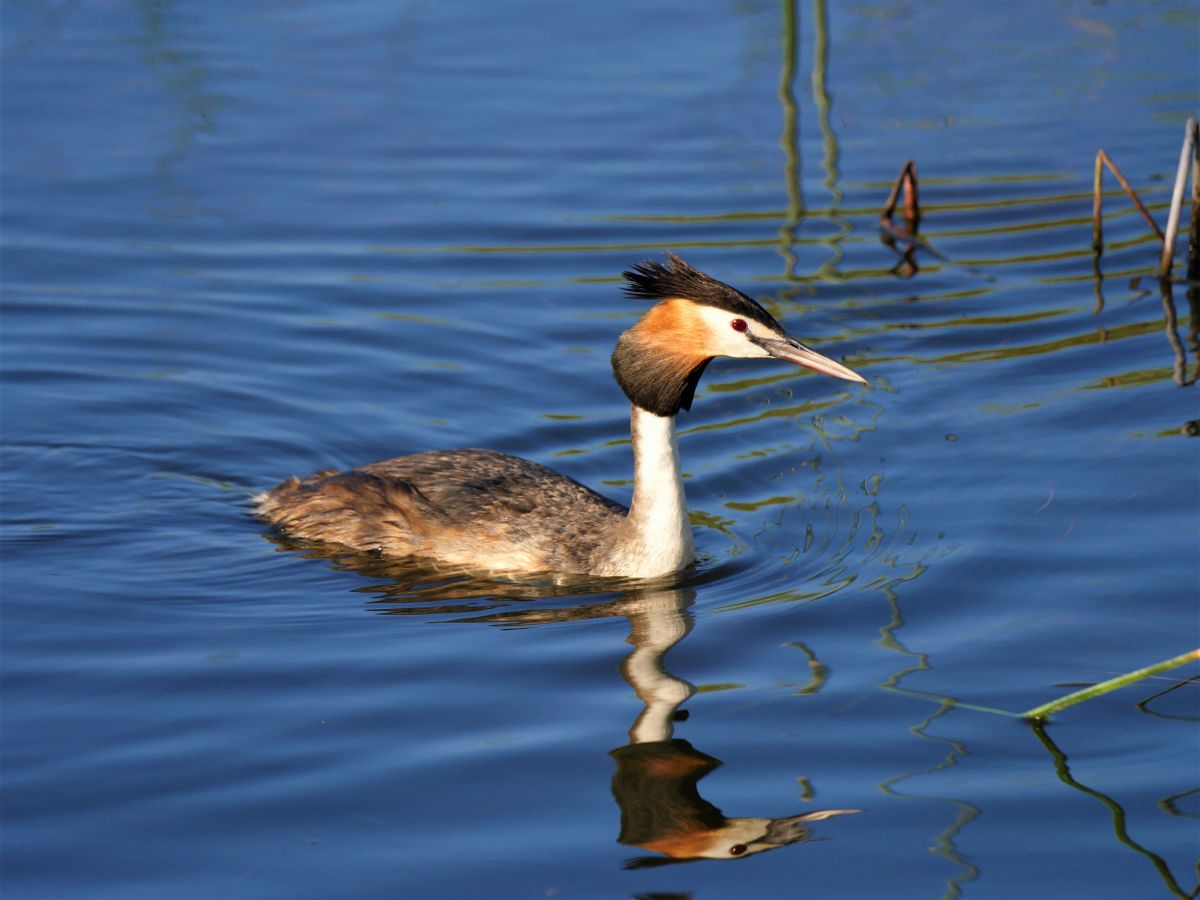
(245, 242)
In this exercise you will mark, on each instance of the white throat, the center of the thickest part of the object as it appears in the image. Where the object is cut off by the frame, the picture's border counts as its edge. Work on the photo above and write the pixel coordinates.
(657, 539)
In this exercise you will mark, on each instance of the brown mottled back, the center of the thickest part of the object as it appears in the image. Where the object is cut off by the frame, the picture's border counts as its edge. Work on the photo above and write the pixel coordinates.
(474, 506)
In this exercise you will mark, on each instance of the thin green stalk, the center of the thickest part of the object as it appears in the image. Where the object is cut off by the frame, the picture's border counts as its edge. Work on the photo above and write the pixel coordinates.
(1104, 687)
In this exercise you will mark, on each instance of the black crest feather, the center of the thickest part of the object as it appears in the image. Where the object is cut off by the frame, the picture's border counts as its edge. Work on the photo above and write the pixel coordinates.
(651, 280)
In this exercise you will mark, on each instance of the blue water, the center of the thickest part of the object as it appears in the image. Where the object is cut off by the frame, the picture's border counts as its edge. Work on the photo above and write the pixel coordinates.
(243, 242)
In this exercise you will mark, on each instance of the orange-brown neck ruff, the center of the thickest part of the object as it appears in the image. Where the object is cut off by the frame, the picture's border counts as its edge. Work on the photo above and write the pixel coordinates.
(658, 362)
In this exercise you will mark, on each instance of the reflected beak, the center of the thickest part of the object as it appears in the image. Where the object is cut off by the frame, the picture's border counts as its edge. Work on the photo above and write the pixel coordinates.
(793, 351)
(791, 829)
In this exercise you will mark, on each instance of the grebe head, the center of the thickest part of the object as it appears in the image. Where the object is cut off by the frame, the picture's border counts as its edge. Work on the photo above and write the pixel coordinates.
(658, 362)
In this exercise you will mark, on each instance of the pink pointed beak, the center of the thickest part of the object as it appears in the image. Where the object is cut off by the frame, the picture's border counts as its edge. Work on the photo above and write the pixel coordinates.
(793, 351)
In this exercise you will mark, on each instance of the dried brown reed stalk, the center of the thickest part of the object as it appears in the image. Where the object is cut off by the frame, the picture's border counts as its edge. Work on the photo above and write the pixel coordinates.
(1189, 153)
(906, 181)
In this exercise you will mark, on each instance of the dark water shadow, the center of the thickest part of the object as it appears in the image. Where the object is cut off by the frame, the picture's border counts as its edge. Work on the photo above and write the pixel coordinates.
(418, 586)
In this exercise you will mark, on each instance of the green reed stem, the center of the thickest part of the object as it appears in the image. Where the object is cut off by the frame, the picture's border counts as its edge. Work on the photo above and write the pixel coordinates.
(1105, 687)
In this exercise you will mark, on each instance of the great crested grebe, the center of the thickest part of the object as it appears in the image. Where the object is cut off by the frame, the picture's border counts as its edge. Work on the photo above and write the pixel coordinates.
(487, 510)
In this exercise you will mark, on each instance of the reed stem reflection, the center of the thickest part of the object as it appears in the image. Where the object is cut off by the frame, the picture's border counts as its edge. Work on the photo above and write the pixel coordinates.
(1120, 828)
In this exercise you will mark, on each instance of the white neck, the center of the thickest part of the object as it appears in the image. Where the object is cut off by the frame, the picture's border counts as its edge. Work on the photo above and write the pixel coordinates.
(657, 539)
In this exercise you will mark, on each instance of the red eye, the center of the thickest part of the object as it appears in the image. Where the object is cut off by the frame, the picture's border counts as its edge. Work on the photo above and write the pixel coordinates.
(738, 325)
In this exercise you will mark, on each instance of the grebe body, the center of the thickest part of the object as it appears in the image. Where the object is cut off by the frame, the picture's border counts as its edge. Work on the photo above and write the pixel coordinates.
(488, 510)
